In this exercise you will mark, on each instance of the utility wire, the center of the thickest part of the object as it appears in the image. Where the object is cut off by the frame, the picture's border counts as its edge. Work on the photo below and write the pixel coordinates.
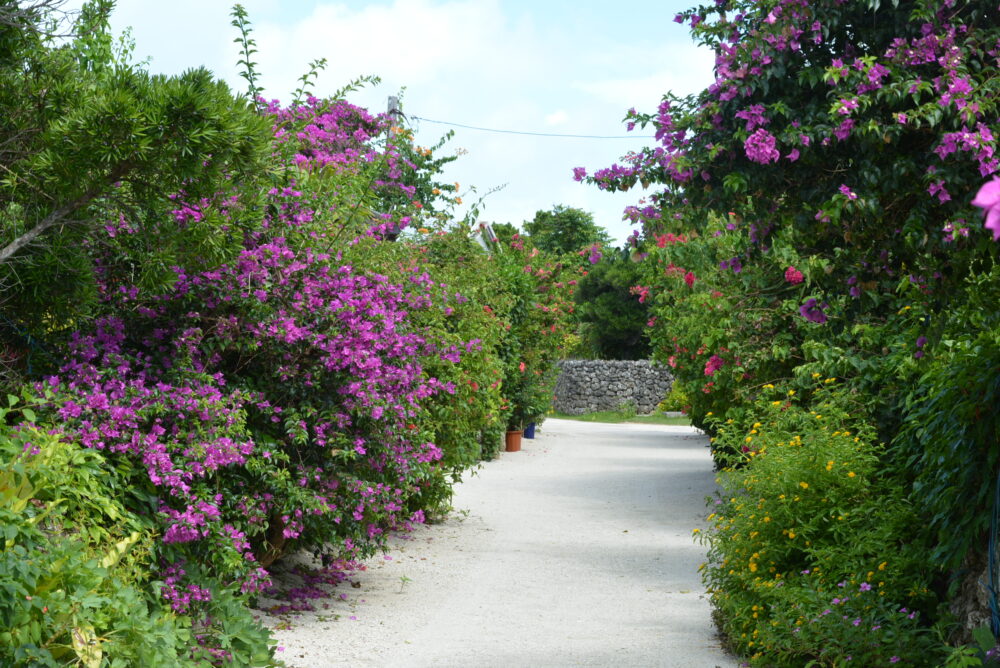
(533, 134)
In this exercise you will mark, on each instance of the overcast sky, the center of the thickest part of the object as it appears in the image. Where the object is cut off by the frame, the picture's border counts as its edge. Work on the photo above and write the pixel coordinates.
(557, 66)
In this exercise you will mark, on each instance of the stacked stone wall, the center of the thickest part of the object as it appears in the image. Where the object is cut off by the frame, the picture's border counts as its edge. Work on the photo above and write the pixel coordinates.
(585, 386)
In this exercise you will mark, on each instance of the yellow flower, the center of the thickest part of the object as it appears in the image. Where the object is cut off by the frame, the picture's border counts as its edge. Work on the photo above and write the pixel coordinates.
(791, 534)
(817, 375)
(696, 531)
(829, 466)
(708, 413)
(767, 519)
(830, 380)
(804, 485)
(775, 403)
(881, 566)
(749, 438)
(769, 387)
(791, 393)
(850, 474)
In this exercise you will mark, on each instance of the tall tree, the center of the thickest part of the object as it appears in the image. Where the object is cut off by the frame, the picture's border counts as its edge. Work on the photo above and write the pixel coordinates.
(90, 143)
(612, 318)
(564, 229)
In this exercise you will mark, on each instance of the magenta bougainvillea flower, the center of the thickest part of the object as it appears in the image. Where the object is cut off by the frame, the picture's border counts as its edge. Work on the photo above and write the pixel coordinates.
(793, 276)
(761, 147)
(988, 199)
(713, 364)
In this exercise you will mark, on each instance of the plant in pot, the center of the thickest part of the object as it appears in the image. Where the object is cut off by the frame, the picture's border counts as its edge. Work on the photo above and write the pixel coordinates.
(530, 395)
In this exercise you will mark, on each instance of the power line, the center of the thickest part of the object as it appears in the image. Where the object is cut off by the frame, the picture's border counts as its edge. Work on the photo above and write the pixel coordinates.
(533, 134)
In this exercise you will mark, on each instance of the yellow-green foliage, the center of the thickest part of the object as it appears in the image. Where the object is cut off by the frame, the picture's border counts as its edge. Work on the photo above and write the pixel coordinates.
(804, 522)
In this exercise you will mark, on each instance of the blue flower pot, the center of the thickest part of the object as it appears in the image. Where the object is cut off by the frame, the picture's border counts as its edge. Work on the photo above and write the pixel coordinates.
(529, 430)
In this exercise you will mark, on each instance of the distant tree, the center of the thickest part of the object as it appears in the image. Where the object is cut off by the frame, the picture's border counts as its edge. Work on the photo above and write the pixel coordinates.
(564, 229)
(612, 320)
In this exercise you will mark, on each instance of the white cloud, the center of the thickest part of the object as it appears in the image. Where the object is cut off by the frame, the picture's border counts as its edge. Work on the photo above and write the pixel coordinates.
(644, 92)
(557, 117)
(490, 63)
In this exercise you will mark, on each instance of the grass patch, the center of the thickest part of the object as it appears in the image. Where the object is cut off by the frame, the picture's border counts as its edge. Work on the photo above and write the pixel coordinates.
(615, 417)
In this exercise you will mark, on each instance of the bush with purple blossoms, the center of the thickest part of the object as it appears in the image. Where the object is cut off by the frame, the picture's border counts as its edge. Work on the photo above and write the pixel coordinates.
(856, 142)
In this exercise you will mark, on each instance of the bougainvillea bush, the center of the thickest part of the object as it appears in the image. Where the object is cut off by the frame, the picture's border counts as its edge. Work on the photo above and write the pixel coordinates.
(313, 372)
(829, 206)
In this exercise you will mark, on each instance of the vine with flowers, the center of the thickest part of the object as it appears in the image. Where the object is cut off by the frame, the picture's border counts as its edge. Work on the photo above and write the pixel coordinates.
(837, 190)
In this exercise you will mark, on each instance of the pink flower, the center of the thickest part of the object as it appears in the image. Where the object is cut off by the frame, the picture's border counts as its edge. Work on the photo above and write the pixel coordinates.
(761, 147)
(793, 276)
(689, 279)
(521, 367)
(988, 199)
(713, 364)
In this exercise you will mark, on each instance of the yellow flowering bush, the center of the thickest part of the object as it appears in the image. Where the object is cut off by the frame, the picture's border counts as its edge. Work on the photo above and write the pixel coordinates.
(803, 518)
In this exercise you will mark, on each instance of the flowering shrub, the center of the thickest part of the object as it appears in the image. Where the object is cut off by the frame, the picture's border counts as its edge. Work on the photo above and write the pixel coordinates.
(311, 375)
(810, 551)
(537, 329)
(829, 186)
(74, 568)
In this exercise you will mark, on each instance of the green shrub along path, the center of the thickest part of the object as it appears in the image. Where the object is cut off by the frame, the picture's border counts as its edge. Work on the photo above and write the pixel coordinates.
(576, 551)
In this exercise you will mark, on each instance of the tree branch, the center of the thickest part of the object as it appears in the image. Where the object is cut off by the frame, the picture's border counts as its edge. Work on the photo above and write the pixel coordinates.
(57, 216)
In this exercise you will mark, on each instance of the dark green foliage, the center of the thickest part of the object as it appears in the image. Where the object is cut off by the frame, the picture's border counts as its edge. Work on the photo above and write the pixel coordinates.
(612, 321)
(949, 443)
(84, 138)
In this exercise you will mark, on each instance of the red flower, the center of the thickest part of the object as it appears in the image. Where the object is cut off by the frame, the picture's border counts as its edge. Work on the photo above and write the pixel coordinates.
(689, 279)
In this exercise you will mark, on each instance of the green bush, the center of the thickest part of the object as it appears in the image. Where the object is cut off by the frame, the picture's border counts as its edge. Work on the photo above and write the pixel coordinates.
(74, 572)
(809, 545)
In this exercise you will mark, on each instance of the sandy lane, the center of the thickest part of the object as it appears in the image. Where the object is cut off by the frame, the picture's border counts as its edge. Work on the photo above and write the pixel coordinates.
(576, 551)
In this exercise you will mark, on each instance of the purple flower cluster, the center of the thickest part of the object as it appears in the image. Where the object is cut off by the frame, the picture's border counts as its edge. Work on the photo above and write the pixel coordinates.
(761, 147)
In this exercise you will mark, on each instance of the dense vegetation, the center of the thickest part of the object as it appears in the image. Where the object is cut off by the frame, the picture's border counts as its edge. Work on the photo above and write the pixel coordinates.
(231, 328)
(828, 294)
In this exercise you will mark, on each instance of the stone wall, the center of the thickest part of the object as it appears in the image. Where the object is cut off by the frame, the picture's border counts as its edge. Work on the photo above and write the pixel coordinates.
(585, 386)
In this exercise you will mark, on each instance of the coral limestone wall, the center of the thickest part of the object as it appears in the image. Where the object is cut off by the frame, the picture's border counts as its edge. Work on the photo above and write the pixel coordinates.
(599, 385)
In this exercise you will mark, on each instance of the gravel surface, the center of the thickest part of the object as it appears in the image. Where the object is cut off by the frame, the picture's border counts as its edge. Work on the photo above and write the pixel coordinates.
(576, 551)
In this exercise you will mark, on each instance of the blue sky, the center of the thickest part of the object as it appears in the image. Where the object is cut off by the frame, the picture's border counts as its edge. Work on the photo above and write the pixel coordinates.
(556, 66)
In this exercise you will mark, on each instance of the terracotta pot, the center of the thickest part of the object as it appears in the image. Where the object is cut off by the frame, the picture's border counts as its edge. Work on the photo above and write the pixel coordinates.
(512, 442)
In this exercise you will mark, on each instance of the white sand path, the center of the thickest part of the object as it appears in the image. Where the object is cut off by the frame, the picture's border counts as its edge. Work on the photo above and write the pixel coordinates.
(576, 551)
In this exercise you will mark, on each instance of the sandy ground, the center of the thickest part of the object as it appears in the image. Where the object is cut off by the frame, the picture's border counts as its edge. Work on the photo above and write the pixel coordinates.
(576, 551)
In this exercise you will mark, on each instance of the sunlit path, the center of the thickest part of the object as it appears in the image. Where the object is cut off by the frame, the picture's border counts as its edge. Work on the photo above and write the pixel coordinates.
(576, 551)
